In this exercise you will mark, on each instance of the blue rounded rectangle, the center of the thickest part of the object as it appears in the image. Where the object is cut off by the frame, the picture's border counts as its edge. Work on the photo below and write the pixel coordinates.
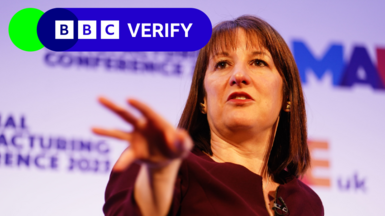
(140, 29)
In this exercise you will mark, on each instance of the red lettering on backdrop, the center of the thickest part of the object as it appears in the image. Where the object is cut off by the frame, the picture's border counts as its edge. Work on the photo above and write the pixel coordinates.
(310, 178)
(381, 63)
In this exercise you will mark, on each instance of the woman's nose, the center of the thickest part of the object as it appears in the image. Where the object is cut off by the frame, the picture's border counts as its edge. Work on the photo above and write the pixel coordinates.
(240, 77)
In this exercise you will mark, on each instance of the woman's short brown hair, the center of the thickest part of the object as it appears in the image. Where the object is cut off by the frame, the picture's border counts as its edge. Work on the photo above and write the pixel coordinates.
(289, 151)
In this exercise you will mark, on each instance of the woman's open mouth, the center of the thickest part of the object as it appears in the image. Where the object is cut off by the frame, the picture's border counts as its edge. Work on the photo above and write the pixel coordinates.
(239, 97)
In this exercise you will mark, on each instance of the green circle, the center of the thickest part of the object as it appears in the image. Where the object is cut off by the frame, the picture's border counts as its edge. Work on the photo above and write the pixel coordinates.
(22, 29)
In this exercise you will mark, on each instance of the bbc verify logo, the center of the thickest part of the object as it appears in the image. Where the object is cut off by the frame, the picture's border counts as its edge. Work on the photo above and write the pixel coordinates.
(64, 29)
(118, 29)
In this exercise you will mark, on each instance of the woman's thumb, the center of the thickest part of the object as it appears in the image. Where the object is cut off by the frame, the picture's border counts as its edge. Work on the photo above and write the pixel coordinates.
(125, 160)
(183, 143)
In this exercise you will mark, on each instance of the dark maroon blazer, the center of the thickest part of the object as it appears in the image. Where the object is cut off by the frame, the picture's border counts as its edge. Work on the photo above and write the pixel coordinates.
(205, 187)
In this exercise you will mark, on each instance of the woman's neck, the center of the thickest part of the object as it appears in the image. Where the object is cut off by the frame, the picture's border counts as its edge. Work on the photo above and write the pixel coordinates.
(248, 152)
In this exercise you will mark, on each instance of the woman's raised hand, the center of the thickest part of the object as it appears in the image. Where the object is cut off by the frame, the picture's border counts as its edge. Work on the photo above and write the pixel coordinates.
(153, 141)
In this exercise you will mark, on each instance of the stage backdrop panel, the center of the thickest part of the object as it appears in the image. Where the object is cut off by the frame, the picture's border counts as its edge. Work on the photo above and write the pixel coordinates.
(51, 163)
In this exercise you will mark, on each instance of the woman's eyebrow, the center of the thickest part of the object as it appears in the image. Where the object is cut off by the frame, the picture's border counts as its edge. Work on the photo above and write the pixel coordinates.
(219, 54)
(261, 53)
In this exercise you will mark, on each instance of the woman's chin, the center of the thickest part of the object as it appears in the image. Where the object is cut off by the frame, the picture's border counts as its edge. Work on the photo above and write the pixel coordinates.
(243, 123)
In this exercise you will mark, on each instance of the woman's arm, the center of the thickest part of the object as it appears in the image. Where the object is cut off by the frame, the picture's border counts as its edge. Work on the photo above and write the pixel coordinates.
(154, 188)
(157, 147)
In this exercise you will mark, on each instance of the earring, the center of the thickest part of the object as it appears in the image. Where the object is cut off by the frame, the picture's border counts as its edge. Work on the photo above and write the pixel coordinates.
(203, 107)
(288, 106)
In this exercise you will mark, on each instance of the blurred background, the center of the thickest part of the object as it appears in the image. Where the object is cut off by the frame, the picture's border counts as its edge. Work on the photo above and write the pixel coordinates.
(51, 163)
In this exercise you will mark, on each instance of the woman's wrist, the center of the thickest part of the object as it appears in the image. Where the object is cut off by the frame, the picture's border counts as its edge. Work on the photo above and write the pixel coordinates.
(163, 170)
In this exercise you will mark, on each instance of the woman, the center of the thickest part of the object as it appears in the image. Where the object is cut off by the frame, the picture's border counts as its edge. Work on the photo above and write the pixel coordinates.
(245, 122)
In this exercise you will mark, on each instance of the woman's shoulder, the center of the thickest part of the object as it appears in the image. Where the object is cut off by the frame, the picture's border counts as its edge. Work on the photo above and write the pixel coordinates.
(312, 197)
(300, 195)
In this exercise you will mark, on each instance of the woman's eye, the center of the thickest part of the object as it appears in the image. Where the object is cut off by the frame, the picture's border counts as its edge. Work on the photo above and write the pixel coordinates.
(259, 63)
(221, 65)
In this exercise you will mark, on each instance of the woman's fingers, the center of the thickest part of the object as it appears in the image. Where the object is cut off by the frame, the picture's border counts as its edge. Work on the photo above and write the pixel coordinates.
(125, 160)
(118, 134)
(147, 112)
(128, 156)
(120, 111)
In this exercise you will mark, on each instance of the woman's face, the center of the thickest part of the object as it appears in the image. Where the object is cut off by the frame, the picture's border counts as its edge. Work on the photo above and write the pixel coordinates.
(243, 89)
